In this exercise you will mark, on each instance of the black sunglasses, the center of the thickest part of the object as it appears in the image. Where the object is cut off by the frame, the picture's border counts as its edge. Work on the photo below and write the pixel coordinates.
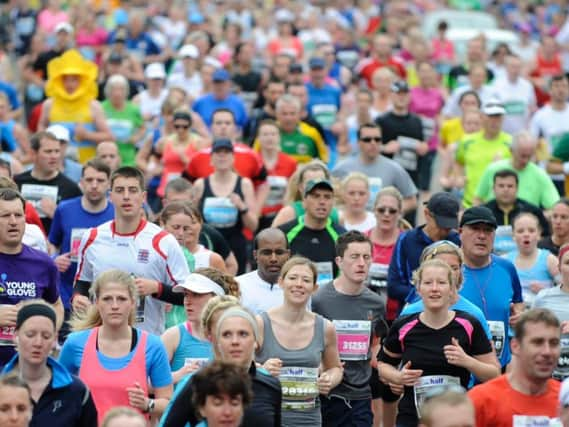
(368, 139)
(382, 210)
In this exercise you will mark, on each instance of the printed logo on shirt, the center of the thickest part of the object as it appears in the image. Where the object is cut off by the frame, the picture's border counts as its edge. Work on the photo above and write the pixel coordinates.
(143, 256)
(13, 288)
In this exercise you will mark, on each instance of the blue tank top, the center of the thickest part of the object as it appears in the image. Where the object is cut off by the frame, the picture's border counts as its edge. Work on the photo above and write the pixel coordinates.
(190, 347)
(537, 273)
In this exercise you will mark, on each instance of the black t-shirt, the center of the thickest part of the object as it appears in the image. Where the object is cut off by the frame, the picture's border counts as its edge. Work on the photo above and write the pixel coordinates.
(42, 60)
(423, 346)
(66, 189)
(394, 126)
(318, 246)
(547, 243)
(212, 239)
(247, 82)
(519, 207)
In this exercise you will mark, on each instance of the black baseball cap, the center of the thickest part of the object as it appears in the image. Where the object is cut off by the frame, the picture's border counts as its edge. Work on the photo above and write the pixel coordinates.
(295, 68)
(444, 207)
(478, 215)
(220, 144)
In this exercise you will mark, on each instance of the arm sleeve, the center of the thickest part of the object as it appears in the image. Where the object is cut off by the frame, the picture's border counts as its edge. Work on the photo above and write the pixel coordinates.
(392, 343)
(56, 230)
(72, 352)
(176, 266)
(88, 416)
(84, 267)
(32, 216)
(404, 183)
(397, 280)
(158, 366)
(484, 185)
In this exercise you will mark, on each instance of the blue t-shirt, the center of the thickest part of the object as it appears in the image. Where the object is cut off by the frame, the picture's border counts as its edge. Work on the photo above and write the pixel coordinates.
(324, 105)
(11, 93)
(206, 105)
(462, 304)
(493, 288)
(141, 46)
(157, 366)
(68, 221)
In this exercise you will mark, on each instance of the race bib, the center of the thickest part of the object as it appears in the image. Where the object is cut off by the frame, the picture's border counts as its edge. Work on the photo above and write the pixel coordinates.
(76, 236)
(498, 331)
(299, 387)
(375, 186)
(277, 189)
(504, 241)
(353, 338)
(562, 370)
(377, 277)
(219, 212)
(515, 108)
(121, 129)
(325, 114)
(34, 193)
(535, 421)
(429, 126)
(325, 272)
(7, 336)
(427, 384)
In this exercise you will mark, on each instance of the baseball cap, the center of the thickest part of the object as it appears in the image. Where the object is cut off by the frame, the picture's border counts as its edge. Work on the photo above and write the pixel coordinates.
(188, 51)
(295, 68)
(155, 71)
(64, 26)
(400, 86)
(316, 62)
(199, 284)
(478, 215)
(60, 132)
(494, 108)
(317, 183)
(220, 75)
(444, 207)
(221, 143)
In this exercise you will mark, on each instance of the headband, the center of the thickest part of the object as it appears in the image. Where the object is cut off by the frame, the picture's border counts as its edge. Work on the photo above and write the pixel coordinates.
(562, 252)
(238, 312)
(36, 309)
(182, 115)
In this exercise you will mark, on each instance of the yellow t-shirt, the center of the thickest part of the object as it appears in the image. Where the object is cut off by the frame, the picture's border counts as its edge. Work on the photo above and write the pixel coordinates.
(451, 132)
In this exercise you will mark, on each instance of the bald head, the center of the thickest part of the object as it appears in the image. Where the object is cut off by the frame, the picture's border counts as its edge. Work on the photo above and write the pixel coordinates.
(271, 252)
(524, 147)
(108, 152)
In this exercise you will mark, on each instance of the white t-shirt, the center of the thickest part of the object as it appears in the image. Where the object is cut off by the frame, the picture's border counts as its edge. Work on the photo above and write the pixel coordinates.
(192, 85)
(364, 226)
(150, 253)
(258, 295)
(518, 99)
(34, 238)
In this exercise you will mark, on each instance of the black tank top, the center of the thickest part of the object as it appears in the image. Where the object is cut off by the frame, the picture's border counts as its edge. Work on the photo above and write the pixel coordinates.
(212, 215)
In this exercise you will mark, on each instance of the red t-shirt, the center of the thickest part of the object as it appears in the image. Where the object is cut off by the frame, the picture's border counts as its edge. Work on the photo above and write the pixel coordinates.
(277, 179)
(497, 404)
(32, 216)
(248, 164)
(368, 68)
(545, 68)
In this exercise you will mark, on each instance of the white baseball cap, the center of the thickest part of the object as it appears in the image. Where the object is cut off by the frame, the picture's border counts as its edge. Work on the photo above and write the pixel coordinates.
(63, 26)
(494, 108)
(199, 284)
(155, 71)
(189, 51)
(60, 132)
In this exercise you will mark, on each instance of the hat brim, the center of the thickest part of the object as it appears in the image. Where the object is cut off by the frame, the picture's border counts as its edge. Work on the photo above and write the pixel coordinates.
(494, 111)
(479, 221)
(320, 185)
(446, 221)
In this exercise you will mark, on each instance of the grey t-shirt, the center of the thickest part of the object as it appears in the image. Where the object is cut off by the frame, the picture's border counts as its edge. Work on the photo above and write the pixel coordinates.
(382, 173)
(553, 299)
(355, 318)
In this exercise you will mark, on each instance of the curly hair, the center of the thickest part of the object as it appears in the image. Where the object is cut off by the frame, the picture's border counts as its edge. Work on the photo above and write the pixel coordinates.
(226, 281)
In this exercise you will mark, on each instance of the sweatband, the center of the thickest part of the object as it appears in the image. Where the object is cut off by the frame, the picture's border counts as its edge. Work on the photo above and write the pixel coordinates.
(36, 309)
(238, 312)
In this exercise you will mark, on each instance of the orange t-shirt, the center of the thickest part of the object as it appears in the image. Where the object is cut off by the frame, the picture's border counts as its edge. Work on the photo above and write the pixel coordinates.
(497, 404)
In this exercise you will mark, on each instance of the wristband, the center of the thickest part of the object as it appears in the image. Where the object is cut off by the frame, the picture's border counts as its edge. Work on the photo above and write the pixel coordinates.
(244, 211)
(566, 168)
(150, 408)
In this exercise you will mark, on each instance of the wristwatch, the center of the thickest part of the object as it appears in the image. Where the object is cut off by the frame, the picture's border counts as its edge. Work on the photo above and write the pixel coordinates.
(150, 407)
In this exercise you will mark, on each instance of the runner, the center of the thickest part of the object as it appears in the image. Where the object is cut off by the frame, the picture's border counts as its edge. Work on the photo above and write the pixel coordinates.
(447, 409)
(16, 398)
(299, 347)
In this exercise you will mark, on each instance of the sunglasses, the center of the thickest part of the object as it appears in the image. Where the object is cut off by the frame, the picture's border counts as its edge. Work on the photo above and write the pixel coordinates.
(390, 211)
(181, 126)
(368, 139)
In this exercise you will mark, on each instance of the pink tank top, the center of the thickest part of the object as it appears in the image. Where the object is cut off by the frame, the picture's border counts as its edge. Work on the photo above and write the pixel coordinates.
(108, 388)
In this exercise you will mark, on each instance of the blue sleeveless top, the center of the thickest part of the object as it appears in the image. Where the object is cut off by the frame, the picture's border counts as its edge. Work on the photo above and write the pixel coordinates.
(537, 273)
(189, 347)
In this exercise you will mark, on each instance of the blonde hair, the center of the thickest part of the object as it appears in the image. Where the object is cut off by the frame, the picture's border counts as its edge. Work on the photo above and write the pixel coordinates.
(418, 274)
(293, 191)
(215, 304)
(299, 260)
(122, 411)
(354, 176)
(392, 192)
(92, 318)
(433, 251)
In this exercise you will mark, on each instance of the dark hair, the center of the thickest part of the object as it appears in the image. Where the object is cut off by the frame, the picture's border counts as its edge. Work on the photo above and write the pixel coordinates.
(535, 315)
(223, 110)
(9, 194)
(506, 173)
(470, 92)
(352, 236)
(274, 81)
(178, 185)
(219, 378)
(183, 114)
(442, 26)
(35, 140)
(98, 165)
(128, 172)
(562, 201)
(557, 78)
(367, 126)
(178, 207)
(266, 122)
